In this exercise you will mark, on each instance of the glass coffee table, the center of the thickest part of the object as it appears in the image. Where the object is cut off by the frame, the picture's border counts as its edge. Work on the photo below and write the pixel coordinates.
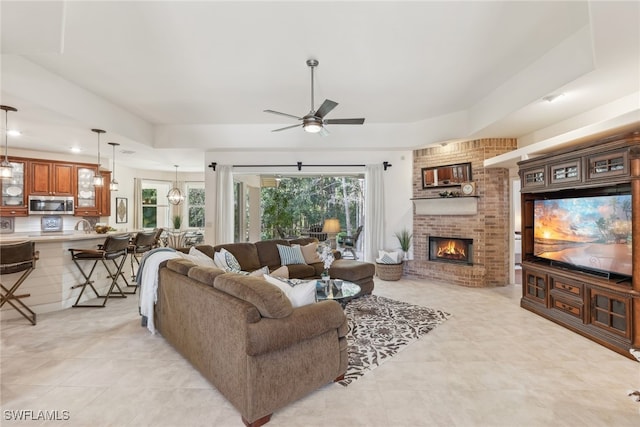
(337, 290)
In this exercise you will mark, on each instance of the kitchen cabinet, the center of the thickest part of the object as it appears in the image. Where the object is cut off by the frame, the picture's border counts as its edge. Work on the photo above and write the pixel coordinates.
(91, 200)
(51, 178)
(14, 198)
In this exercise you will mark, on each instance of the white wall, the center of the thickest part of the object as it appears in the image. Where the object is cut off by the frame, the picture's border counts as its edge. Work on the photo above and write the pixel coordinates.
(397, 179)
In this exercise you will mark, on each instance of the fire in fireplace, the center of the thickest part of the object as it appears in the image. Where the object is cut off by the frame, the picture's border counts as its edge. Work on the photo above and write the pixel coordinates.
(451, 249)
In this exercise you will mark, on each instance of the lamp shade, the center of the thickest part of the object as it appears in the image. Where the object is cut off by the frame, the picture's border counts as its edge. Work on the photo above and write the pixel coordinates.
(331, 225)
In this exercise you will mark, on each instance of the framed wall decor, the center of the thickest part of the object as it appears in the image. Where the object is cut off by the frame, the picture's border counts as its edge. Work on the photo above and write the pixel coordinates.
(122, 208)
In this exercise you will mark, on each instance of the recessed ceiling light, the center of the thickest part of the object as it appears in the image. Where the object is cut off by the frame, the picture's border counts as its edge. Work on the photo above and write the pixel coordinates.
(76, 149)
(552, 98)
(14, 132)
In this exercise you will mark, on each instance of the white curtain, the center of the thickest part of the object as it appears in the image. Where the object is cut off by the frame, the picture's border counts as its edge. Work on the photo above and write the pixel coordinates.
(224, 205)
(373, 212)
(137, 203)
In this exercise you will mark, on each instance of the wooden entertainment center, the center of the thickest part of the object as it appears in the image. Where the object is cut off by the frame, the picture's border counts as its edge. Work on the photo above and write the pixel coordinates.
(600, 306)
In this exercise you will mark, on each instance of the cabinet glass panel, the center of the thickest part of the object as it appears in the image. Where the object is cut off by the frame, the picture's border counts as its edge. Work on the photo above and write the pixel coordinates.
(86, 190)
(610, 312)
(13, 188)
(609, 164)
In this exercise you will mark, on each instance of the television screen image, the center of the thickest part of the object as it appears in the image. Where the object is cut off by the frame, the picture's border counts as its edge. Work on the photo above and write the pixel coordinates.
(593, 233)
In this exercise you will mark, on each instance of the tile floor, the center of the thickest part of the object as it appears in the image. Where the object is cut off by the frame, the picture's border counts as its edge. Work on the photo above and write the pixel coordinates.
(490, 364)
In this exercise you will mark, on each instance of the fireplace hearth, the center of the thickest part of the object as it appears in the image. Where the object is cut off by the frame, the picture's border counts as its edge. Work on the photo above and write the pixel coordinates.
(451, 249)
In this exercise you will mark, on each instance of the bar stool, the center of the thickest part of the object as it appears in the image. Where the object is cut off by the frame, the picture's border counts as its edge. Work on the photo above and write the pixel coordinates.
(143, 242)
(16, 258)
(114, 248)
(158, 243)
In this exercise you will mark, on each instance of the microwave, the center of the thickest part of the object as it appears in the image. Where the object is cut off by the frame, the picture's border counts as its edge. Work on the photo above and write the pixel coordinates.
(47, 205)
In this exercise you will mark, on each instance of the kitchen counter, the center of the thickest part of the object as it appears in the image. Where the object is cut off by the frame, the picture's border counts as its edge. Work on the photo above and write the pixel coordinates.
(38, 236)
(51, 283)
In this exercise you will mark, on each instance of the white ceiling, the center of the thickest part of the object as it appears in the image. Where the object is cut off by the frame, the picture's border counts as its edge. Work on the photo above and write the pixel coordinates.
(171, 79)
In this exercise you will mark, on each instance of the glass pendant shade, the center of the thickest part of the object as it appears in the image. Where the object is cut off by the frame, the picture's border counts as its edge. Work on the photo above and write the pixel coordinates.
(98, 180)
(6, 168)
(174, 195)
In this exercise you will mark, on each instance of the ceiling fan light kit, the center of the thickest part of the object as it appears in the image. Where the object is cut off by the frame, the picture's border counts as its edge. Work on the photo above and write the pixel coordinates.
(314, 121)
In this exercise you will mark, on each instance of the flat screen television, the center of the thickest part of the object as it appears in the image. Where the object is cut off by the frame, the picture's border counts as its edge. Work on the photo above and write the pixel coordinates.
(592, 234)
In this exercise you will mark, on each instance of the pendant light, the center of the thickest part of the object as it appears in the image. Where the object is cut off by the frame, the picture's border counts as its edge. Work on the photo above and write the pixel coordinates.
(113, 185)
(6, 168)
(98, 180)
(174, 195)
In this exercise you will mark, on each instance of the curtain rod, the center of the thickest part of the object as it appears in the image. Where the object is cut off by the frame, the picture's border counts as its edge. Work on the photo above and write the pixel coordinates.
(299, 165)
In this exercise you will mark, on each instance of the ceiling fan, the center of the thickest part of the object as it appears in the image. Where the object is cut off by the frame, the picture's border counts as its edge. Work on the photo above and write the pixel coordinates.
(315, 120)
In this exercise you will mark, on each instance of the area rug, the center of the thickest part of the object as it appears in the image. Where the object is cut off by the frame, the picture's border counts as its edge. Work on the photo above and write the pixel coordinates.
(380, 327)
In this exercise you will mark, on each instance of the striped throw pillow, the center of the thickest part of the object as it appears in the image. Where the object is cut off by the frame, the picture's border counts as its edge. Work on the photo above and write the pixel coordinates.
(232, 262)
(290, 255)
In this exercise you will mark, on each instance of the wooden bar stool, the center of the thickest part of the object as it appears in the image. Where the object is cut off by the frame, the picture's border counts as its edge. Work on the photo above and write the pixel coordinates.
(114, 249)
(16, 258)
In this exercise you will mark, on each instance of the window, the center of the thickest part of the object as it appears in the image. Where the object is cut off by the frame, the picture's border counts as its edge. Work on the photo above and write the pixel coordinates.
(155, 206)
(195, 204)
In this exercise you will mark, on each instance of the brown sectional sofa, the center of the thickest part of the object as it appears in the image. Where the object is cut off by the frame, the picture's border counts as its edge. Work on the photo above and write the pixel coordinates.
(243, 335)
(253, 256)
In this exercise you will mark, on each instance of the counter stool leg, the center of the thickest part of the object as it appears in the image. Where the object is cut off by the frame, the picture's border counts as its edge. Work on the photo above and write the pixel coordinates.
(88, 282)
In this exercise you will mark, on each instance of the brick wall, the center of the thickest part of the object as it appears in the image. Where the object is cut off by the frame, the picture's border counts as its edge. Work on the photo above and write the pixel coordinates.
(489, 228)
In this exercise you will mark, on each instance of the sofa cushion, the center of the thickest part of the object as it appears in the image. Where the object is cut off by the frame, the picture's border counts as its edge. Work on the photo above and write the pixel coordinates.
(204, 275)
(245, 253)
(301, 271)
(180, 265)
(290, 255)
(270, 301)
(268, 252)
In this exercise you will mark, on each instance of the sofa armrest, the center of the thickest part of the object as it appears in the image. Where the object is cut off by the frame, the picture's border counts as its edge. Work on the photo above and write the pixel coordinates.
(305, 322)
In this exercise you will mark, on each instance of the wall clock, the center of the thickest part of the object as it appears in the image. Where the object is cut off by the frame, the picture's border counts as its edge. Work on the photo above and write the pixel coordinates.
(468, 188)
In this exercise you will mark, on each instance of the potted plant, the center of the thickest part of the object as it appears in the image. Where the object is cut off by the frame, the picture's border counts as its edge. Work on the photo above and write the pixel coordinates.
(177, 222)
(404, 238)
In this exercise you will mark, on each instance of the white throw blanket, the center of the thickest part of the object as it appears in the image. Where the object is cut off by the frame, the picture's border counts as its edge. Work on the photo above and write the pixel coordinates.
(148, 281)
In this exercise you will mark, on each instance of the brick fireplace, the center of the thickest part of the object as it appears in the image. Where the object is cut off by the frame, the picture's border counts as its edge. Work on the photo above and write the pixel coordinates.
(485, 225)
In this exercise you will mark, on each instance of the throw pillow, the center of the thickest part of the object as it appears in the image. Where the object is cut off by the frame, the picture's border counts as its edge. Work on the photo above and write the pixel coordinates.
(260, 272)
(388, 257)
(299, 295)
(232, 262)
(310, 253)
(290, 255)
(220, 261)
(200, 258)
(282, 272)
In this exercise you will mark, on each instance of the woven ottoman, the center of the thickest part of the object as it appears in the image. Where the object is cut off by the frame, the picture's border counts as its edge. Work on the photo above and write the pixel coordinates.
(360, 273)
(389, 272)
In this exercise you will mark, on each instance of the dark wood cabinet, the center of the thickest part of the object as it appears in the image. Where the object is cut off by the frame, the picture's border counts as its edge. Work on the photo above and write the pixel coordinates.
(602, 307)
(51, 178)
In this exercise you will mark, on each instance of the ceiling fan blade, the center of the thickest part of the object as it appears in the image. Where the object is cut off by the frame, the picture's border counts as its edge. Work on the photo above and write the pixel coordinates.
(344, 121)
(285, 128)
(282, 114)
(325, 108)
(323, 131)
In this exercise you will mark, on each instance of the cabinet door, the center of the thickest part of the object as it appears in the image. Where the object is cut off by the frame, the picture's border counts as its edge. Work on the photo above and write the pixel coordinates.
(535, 286)
(41, 177)
(63, 180)
(87, 199)
(13, 191)
(611, 312)
(533, 178)
(104, 195)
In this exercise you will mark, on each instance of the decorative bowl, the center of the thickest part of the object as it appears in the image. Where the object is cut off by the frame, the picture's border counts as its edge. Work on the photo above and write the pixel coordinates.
(102, 229)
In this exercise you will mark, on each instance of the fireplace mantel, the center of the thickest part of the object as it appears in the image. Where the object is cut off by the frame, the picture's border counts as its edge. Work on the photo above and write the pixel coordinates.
(446, 205)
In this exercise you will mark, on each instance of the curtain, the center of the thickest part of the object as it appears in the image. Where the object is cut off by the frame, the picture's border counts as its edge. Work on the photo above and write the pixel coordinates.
(224, 205)
(373, 212)
(137, 203)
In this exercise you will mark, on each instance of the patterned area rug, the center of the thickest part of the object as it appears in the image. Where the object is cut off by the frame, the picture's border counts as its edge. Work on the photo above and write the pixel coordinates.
(380, 327)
